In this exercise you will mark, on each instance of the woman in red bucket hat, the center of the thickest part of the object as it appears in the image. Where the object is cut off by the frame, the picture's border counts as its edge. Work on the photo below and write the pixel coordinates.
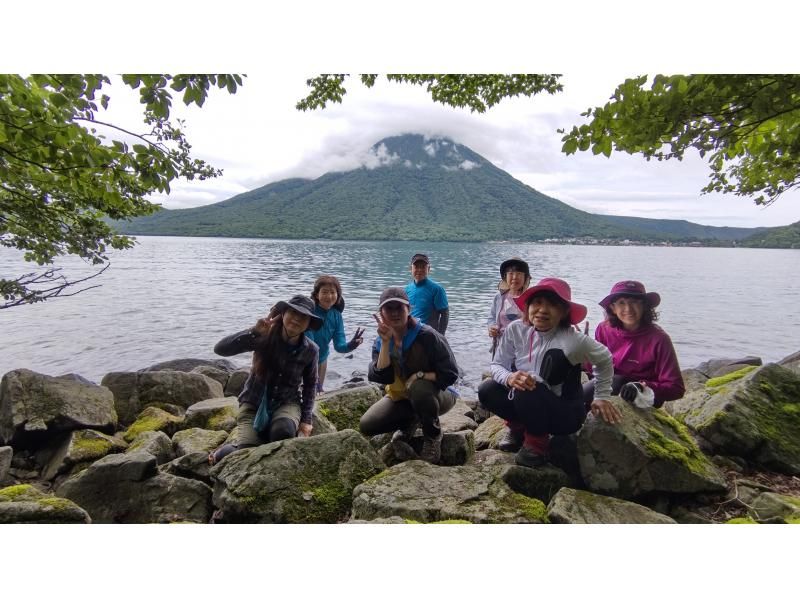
(544, 395)
(643, 353)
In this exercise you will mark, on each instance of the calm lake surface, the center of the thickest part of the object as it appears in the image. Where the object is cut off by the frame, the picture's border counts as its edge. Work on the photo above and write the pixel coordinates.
(173, 297)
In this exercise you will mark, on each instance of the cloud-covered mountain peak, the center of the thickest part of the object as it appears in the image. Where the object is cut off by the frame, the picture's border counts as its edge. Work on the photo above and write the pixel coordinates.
(419, 151)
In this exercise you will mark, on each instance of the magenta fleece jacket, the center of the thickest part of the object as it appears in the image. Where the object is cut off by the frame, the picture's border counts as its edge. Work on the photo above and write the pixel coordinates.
(645, 354)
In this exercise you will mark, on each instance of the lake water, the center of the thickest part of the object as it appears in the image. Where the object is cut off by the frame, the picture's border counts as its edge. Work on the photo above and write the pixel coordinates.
(174, 297)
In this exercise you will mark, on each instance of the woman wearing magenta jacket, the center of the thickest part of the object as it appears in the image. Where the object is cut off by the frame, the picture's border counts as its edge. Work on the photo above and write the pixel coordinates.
(643, 353)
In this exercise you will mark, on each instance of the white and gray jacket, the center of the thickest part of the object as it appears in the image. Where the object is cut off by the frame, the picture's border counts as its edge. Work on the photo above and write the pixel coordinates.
(523, 348)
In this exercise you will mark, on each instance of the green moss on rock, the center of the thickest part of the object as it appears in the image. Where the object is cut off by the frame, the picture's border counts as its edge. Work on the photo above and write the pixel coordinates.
(727, 378)
(19, 492)
(740, 520)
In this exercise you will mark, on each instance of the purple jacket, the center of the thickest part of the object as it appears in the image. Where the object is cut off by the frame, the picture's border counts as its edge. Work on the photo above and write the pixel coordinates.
(646, 354)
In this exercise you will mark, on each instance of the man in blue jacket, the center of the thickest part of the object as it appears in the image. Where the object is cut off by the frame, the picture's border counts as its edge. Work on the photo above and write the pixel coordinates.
(428, 298)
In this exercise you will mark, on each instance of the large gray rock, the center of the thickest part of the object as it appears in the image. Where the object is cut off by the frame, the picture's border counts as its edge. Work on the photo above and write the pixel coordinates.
(578, 506)
(756, 417)
(536, 482)
(79, 447)
(458, 419)
(133, 391)
(26, 504)
(6, 454)
(154, 443)
(236, 382)
(213, 414)
(791, 362)
(197, 440)
(188, 364)
(127, 488)
(34, 406)
(648, 451)
(321, 424)
(301, 480)
(458, 448)
(217, 374)
(344, 407)
(422, 492)
(193, 466)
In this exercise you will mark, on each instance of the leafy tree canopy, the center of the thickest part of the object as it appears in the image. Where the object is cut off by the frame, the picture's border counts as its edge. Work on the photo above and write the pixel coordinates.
(476, 92)
(748, 127)
(60, 176)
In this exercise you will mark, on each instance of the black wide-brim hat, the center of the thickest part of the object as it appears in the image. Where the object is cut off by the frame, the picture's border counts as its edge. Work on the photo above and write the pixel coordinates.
(304, 305)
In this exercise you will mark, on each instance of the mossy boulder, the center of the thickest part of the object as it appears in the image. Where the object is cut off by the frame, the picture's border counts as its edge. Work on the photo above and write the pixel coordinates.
(153, 419)
(197, 440)
(300, 480)
(213, 414)
(25, 504)
(79, 447)
(536, 482)
(791, 362)
(771, 507)
(714, 368)
(192, 465)
(426, 493)
(756, 417)
(344, 407)
(155, 443)
(579, 506)
(489, 433)
(133, 391)
(648, 451)
(35, 407)
(128, 488)
(321, 424)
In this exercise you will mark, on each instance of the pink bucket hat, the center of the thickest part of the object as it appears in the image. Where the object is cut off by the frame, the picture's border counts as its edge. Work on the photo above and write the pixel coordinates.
(630, 288)
(577, 312)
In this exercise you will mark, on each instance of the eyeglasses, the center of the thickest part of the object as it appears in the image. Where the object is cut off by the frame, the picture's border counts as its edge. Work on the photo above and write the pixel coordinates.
(623, 302)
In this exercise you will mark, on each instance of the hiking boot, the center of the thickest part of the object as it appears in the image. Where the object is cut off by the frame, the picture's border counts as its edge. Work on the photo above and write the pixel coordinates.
(405, 434)
(431, 449)
(527, 457)
(511, 440)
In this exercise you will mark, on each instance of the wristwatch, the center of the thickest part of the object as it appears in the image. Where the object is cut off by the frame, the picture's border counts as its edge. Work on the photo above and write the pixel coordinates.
(420, 375)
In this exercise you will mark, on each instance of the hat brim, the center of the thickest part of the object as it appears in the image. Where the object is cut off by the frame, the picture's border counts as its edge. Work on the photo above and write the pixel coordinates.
(315, 322)
(393, 300)
(652, 299)
(577, 312)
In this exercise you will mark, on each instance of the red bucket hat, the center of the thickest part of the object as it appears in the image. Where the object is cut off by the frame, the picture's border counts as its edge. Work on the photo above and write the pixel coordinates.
(630, 288)
(577, 312)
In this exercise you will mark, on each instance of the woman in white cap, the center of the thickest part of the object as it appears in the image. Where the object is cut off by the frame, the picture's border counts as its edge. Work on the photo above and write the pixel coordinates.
(278, 395)
(646, 367)
(536, 373)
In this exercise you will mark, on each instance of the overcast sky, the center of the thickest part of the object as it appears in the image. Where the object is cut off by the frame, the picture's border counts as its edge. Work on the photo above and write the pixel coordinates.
(257, 136)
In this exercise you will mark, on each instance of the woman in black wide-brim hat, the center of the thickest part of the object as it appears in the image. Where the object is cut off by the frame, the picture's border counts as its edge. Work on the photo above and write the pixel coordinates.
(278, 395)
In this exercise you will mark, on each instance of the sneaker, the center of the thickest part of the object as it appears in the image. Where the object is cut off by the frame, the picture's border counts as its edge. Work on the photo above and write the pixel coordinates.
(431, 449)
(511, 440)
(527, 457)
(405, 434)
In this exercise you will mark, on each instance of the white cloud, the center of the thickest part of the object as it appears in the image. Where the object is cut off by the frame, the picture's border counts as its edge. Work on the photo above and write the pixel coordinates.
(468, 165)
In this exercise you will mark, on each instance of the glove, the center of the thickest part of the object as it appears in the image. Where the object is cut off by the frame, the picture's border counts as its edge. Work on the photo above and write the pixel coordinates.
(630, 390)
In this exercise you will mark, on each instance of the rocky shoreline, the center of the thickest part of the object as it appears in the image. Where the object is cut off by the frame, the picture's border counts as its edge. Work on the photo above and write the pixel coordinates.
(134, 448)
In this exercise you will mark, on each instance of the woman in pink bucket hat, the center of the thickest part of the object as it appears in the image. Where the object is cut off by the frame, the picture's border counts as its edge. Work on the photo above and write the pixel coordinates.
(544, 395)
(645, 363)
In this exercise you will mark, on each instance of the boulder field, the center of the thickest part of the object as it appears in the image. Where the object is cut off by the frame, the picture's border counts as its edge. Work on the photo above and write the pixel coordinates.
(134, 449)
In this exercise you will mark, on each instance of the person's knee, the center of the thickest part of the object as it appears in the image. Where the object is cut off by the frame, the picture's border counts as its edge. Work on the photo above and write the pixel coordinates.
(485, 391)
(282, 428)
(422, 395)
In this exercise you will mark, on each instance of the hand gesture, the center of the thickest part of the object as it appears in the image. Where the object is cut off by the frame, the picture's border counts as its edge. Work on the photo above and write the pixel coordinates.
(383, 329)
(494, 331)
(358, 338)
(264, 324)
